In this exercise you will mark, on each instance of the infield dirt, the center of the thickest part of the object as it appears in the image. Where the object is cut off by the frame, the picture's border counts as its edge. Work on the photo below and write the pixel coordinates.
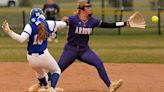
(80, 77)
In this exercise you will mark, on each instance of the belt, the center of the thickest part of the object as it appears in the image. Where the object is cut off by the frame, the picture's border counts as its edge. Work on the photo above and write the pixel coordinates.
(79, 47)
(40, 53)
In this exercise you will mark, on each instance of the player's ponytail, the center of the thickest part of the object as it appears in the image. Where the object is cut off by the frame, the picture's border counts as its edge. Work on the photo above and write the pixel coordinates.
(77, 12)
(42, 33)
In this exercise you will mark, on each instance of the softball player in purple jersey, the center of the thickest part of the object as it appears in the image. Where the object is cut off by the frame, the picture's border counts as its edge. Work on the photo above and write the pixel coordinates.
(38, 55)
(81, 27)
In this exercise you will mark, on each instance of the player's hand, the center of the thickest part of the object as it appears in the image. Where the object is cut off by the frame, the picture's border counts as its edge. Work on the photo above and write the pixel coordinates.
(53, 35)
(128, 23)
(6, 27)
(65, 18)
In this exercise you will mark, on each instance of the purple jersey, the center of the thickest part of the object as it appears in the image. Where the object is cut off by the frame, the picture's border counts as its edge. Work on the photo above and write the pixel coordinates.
(51, 10)
(77, 46)
(79, 31)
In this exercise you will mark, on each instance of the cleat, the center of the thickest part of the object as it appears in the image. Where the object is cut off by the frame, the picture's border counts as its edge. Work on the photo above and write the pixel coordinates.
(59, 89)
(34, 87)
(46, 90)
(115, 85)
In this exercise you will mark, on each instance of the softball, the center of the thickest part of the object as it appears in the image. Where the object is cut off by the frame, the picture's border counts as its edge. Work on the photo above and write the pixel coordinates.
(154, 19)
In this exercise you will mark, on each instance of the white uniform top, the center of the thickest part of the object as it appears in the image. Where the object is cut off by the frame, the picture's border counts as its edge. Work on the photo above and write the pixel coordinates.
(24, 36)
(45, 60)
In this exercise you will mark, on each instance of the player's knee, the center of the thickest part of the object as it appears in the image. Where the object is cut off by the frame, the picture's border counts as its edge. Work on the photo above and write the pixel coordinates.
(101, 69)
(99, 65)
(58, 71)
(61, 67)
(41, 75)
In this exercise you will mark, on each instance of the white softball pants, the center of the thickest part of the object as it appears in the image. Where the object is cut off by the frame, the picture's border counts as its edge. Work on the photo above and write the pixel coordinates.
(43, 62)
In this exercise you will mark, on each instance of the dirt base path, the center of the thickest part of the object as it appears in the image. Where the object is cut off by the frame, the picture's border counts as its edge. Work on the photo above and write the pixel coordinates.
(79, 77)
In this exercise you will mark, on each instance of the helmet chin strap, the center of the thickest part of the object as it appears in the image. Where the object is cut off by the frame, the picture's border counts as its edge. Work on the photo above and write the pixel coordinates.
(90, 15)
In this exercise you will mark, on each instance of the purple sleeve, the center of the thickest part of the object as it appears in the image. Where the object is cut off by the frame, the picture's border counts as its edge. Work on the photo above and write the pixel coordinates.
(97, 22)
(70, 20)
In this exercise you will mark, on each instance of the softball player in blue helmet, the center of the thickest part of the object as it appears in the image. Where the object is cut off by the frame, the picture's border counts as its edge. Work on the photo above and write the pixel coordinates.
(81, 26)
(38, 55)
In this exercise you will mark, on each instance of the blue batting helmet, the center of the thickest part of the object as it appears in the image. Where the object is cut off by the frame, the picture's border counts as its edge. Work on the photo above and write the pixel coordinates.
(36, 14)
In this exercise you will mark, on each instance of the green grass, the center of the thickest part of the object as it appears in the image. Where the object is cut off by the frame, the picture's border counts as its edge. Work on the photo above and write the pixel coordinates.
(133, 46)
(110, 48)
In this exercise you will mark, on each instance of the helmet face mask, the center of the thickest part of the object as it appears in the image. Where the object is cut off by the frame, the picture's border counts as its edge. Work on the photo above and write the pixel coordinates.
(35, 14)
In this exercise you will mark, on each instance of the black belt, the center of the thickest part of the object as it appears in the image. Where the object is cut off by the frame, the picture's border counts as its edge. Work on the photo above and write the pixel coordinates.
(40, 53)
(79, 47)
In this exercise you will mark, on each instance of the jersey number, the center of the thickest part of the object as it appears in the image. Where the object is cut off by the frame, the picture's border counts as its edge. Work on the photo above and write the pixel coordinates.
(35, 42)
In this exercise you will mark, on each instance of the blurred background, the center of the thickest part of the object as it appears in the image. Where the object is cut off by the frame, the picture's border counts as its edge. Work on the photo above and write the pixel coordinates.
(125, 45)
(17, 13)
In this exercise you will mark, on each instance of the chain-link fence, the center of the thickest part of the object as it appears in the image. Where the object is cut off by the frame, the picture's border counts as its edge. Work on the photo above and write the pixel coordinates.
(105, 11)
(14, 17)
